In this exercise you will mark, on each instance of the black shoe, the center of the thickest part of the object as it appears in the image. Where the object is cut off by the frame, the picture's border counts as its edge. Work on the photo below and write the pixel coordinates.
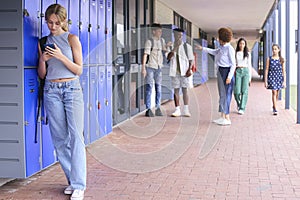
(274, 111)
(149, 113)
(158, 112)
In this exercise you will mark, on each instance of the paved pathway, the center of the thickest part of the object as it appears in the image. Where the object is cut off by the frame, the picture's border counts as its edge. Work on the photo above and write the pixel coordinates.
(165, 158)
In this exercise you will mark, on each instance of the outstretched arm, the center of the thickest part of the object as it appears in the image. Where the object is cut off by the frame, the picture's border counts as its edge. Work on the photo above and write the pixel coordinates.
(205, 49)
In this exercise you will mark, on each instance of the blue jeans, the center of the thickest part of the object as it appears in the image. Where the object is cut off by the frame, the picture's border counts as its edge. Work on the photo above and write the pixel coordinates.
(65, 111)
(153, 76)
(225, 90)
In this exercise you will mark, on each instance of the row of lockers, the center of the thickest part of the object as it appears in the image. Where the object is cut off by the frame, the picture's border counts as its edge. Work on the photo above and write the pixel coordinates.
(91, 20)
(26, 146)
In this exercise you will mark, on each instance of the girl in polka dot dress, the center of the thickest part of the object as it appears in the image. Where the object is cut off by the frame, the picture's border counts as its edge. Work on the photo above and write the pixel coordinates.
(275, 73)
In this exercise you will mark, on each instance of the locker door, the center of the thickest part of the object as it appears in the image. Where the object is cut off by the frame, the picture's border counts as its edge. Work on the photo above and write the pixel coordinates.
(31, 31)
(12, 147)
(74, 17)
(101, 32)
(45, 5)
(108, 101)
(84, 81)
(94, 104)
(108, 31)
(64, 3)
(83, 29)
(32, 131)
(102, 100)
(93, 43)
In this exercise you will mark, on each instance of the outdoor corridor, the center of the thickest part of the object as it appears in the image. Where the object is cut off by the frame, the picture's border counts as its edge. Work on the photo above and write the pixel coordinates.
(167, 158)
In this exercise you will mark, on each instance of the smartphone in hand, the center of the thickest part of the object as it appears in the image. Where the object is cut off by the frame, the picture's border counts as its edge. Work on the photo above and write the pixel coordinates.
(48, 45)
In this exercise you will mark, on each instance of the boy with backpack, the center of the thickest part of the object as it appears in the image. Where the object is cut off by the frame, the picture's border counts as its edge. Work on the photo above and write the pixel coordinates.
(152, 63)
(181, 60)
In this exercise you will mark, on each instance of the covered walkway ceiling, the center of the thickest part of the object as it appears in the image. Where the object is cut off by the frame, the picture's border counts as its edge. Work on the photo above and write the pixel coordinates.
(244, 17)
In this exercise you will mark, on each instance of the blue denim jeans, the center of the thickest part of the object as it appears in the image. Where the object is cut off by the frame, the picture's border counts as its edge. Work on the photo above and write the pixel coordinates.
(225, 90)
(153, 76)
(65, 112)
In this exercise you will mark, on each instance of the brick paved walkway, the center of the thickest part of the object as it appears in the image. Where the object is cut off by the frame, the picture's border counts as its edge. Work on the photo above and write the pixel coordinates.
(165, 158)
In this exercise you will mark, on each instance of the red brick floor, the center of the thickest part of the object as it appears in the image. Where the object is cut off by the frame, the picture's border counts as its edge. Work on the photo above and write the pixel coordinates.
(165, 158)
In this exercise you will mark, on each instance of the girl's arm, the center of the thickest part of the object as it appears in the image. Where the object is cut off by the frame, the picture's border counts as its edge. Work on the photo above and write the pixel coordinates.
(42, 64)
(233, 64)
(266, 72)
(207, 50)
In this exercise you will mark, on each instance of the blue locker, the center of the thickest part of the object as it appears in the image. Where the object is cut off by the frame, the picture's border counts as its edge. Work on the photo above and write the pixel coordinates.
(48, 153)
(73, 15)
(108, 101)
(32, 132)
(64, 3)
(84, 81)
(83, 29)
(45, 5)
(101, 32)
(93, 43)
(108, 31)
(31, 32)
(102, 100)
(94, 104)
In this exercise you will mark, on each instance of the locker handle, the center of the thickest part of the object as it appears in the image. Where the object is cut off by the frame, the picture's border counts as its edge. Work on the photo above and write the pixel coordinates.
(99, 105)
(80, 25)
(106, 102)
(90, 28)
(69, 21)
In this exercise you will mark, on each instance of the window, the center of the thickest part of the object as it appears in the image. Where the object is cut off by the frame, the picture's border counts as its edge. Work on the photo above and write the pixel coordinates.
(183, 23)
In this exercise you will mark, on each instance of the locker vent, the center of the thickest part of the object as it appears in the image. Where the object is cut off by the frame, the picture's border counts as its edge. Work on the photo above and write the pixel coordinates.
(8, 10)
(8, 67)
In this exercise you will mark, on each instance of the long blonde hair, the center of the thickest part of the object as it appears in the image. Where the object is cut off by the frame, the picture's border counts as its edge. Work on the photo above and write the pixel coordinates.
(60, 12)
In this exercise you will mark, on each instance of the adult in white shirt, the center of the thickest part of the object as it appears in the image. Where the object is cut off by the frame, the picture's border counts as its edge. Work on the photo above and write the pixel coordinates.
(242, 75)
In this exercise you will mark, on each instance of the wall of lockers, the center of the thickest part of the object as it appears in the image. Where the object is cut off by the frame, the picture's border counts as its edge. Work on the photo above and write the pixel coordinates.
(25, 141)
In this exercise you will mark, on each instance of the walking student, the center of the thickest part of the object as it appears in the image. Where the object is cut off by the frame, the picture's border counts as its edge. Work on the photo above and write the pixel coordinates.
(181, 59)
(151, 68)
(242, 75)
(275, 75)
(63, 97)
(225, 60)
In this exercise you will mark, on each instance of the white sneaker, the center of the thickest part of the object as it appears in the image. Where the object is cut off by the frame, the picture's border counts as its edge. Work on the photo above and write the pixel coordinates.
(186, 113)
(224, 122)
(241, 112)
(68, 190)
(217, 121)
(177, 113)
(77, 195)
